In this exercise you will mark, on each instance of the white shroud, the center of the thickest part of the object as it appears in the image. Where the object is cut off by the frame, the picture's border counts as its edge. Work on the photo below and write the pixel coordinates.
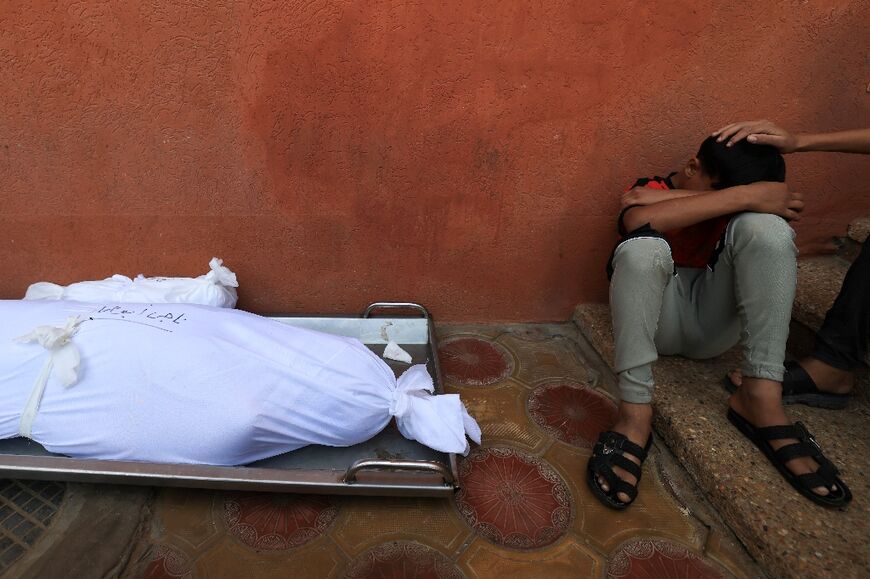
(181, 383)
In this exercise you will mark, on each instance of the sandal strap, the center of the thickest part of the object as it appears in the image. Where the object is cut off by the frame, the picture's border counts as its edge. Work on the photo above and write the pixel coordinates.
(812, 480)
(779, 432)
(601, 465)
(610, 442)
(796, 450)
(627, 465)
(609, 451)
(797, 431)
(623, 487)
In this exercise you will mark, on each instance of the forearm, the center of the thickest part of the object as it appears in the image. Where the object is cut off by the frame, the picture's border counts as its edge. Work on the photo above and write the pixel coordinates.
(854, 141)
(689, 209)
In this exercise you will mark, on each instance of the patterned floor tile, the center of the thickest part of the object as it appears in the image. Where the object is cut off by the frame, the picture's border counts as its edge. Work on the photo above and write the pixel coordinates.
(474, 361)
(500, 411)
(545, 359)
(645, 558)
(277, 521)
(654, 512)
(168, 563)
(368, 521)
(571, 412)
(567, 560)
(402, 560)
(513, 499)
(188, 515)
(229, 558)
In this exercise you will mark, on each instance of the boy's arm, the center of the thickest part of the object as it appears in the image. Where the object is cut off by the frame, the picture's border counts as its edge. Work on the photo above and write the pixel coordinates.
(763, 197)
(639, 195)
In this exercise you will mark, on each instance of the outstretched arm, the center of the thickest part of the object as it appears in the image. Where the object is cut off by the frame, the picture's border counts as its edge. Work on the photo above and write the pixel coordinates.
(696, 206)
(767, 133)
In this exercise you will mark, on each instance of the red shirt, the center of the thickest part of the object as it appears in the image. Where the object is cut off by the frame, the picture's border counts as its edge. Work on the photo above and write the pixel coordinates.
(692, 246)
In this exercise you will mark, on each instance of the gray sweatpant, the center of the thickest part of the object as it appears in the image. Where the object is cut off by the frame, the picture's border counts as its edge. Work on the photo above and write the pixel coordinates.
(701, 313)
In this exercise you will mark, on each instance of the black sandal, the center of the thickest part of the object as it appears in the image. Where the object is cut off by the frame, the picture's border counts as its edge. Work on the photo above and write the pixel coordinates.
(607, 453)
(825, 476)
(798, 388)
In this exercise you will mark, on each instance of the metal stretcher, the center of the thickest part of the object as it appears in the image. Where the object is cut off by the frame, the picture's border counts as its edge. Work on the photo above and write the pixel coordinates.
(387, 464)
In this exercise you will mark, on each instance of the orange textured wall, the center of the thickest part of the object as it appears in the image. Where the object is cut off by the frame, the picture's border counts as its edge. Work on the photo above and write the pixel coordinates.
(467, 155)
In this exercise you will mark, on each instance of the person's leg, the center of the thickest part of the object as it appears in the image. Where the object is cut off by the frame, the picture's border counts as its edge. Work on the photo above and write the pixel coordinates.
(842, 341)
(639, 291)
(761, 257)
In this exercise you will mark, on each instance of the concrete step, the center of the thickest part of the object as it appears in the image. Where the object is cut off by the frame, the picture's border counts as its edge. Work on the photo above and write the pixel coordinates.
(859, 229)
(787, 534)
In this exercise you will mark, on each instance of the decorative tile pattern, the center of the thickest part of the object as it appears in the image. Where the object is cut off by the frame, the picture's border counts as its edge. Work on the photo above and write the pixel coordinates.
(168, 563)
(654, 513)
(402, 560)
(277, 522)
(26, 511)
(368, 521)
(473, 361)
(500, 410)
(556, 358)
(513, 499)
(567, 559)
(571, 412)
(657, 559)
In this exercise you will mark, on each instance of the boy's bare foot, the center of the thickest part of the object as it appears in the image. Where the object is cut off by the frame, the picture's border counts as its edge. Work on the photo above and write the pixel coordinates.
(827, 378)
(635, 422)
(759, 401)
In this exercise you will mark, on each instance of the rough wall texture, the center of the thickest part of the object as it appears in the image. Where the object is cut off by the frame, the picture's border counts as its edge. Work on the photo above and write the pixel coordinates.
(467, 155)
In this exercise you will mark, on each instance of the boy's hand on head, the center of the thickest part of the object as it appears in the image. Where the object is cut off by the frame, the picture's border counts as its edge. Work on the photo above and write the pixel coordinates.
(774, 198)
(758, 133)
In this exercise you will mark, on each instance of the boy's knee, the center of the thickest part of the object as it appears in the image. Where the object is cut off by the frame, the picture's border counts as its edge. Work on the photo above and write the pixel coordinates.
(643, 256)
(769, 232)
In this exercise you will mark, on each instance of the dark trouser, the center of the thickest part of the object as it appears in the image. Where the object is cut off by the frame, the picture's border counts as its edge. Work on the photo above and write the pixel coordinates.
(844, 336)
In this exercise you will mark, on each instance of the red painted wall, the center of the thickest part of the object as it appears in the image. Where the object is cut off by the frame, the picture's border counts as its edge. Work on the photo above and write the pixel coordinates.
(467, 155)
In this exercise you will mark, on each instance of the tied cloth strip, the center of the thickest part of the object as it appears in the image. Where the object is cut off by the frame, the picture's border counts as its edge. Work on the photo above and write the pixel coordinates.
(62, 363)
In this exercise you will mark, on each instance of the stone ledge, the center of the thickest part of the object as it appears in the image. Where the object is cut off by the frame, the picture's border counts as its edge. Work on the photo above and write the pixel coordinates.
(787, 534)
(819, 282)
(859, 229)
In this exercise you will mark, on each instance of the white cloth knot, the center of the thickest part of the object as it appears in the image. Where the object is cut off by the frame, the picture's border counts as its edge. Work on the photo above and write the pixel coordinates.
(63, 363)
(221, 275)
(52, 337)
(440, 422)
(415, 382)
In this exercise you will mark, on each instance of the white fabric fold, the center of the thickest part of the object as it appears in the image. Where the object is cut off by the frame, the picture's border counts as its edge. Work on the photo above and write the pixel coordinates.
(62, 363)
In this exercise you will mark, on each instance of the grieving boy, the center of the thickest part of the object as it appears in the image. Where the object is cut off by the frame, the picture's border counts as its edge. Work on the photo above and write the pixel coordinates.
(708, 259)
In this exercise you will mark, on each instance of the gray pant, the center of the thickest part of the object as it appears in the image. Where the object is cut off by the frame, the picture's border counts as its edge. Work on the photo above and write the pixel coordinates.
(701, 313)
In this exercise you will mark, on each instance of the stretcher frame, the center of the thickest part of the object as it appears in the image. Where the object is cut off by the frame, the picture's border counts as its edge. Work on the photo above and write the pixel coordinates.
(386, 465)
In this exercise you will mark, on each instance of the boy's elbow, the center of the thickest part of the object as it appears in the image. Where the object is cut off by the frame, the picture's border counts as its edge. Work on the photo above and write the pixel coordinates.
(633, 219)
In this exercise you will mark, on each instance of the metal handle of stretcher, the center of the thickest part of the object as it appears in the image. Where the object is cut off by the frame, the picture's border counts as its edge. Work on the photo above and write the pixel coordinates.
(449, 474)
(410, 465)
(395, 306)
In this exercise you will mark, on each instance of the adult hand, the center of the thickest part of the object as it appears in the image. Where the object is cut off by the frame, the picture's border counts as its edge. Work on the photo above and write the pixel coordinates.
(758, 133)
(775, 198)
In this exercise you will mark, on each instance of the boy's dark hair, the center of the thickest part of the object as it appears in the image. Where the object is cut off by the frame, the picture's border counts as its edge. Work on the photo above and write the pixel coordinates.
(740, 164)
